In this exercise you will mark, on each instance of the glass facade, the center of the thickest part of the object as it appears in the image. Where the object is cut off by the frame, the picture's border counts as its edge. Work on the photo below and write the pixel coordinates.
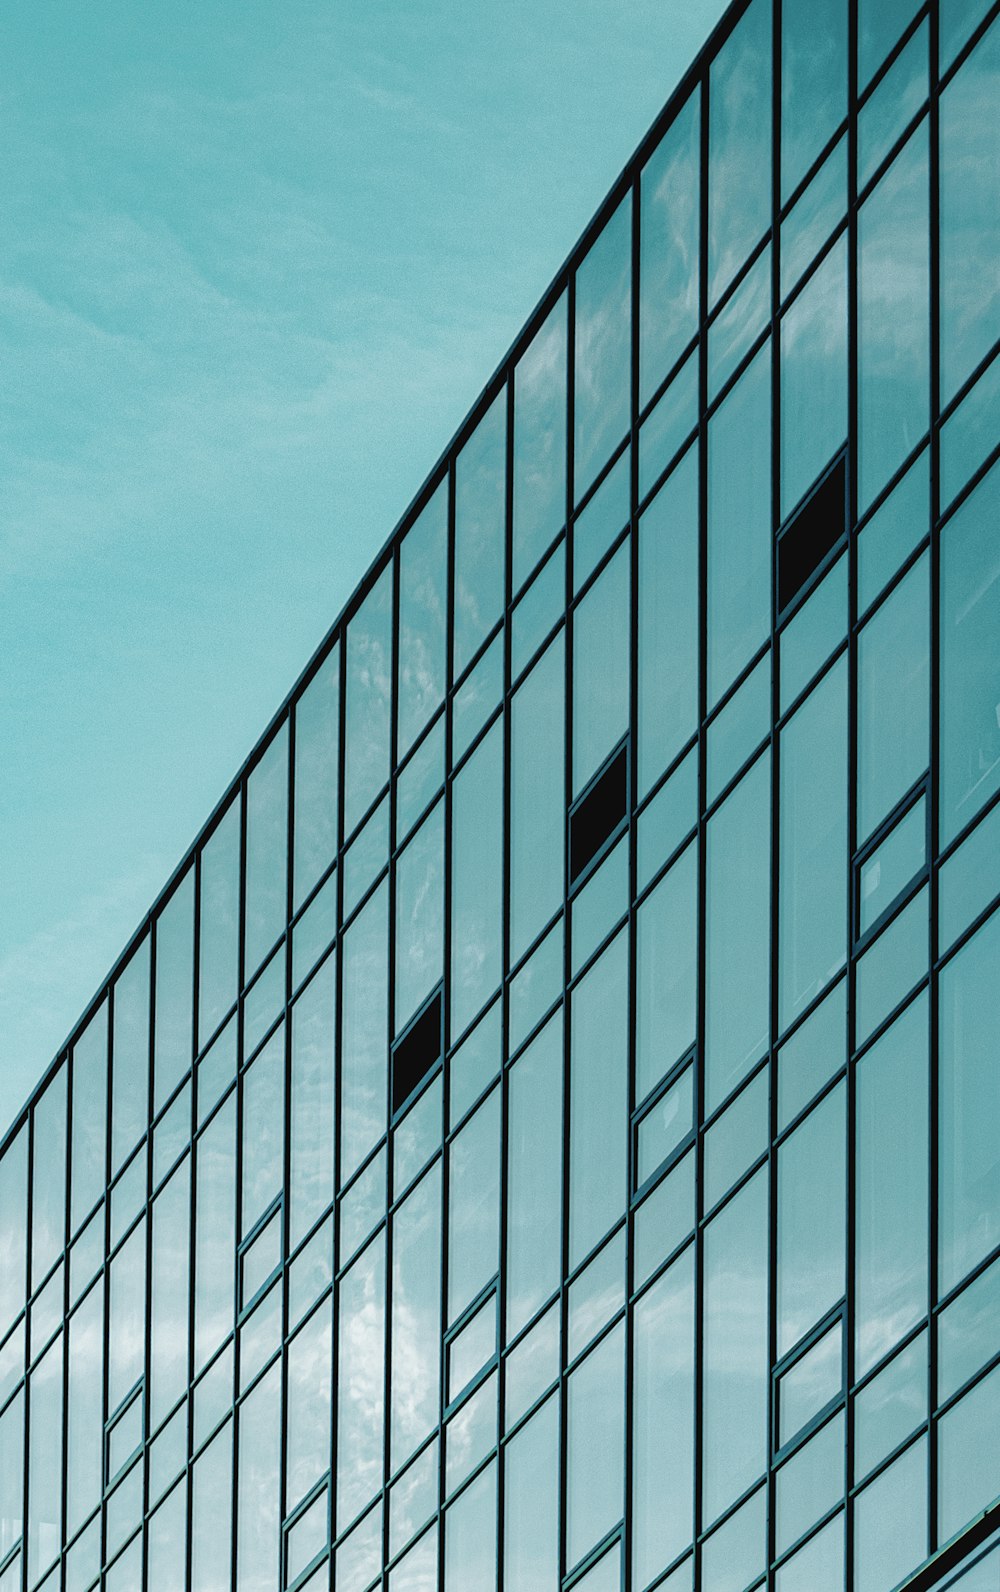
(547, 1134)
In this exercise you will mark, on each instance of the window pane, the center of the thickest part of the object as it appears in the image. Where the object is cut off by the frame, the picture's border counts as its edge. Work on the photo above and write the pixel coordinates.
(739, 188)
(737, 934)
(88, 1146)
(317, 768)
(13, 1229)
(668, 621)
(595, 1434)
(470, 1537)
(813, 861)
(480, 520)
(369, 686)
(130, 1058)
(168, 1365)
(531, 1505)
(890, 1523)
(474, 1206)
(422, 600)
(476, 880)
(219, 928)
(813, 83)
(601, 637)
(893, 698)
(174, 990)
(419, 917)
(667, 974)
(360, 1383)
(970, 661)
(812, 1222)
(814, 377)
(216, 1232)
(45, 1457)
(663, 1398)
(534, 1176)
(598, 1100)
(540, 443)
(48, 1177)
(416, 1316)
(880, 22)
(968, 1468)
(84, 1413)
(970, 1106)
(263, 1130)
(310, 1182)
(970, 214)
(364, 1054)
(267, 852)
(537, 798)
(739, 526)
(669, 248)
(891, 1186)
(211, 1512)
(601, 393)
(894, 317)
(258, 1523)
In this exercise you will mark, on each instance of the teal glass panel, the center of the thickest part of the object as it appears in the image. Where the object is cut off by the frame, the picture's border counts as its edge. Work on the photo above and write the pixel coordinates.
(413, 1499)
(12, 1481)
(540, 443)
(957, 21)
(263, 1002)
(476, 698)
(48, 1177)
(667, 972)
(668, 622)
(84, 1414)
(263, 1130)
(474, 1206)
(311, 1104)
(970, 433)
(967, 1332)
(970, 214)
(532, 1366)
(606, 514)
(664, 1126)
(43, 1529)
(602, 362)
(813, 84)
(812, 1219)
(663, 1220)
(668, 260)
(809, 1484)
(470, 1435)
(369, 688)
(891, 1406)
(211, 1513)
(258, 1522)
(317, 767)
(736, 1139)
(219, 928)
(173, 1041)
(531, 1505)
(893, 531)
(416, 1317)
(668, 424)
(894, 318)
(880, 22)
(970, 663)
(737, 934)
(266, 853)
(605, 1575)
(813, 845)
(422, 630)
(419, 917)
(968, 1457)
(595, 1445)
(735, 1385)
(472, 1348)
(539, 610)
(811, 1383)
(167, 1543)
(601, 904)
(601, 647)
(364, 1047)
(668, 818)
(215, 1240)
(480, 521)
(891, 967)
(595, 1296)
(819, 1566)
(168, 1356)
(891, 1187)
(969, 1149)
(735, 1556)
(663, 1399)
(477, 880)
(739, 323)
(534, 1177)
(470, 1537)
(307, 1538)
(814, 377)
(417, 1571)
(536, 986)
(127, 1317)
(360, 1383)
(969, 880)
(815, 630)
(307, 1391)
(897, 99)
(14, 1229)
(598, 1099)
(474, 1065)
(537, 798)
(738, 729)
(894, 698)
(890, 868)
(813, 216)
(419, 780)
(130, 1057)
(88, 1140)
(366, 857)
(363, 1205)
(739, 524)
(739, 138)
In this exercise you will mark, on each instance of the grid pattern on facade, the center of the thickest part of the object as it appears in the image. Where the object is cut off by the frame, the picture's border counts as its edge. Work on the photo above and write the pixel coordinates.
(548, 1133)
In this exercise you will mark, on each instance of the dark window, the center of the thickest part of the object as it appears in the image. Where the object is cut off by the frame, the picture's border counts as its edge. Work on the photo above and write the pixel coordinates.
(598, 814)
(416, 1051)
(812, 533)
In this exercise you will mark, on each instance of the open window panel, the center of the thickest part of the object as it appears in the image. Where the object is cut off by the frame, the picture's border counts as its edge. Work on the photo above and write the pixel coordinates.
(969, 1562)
(892, 863)
(417, 1051)
(598, 815)
(808, 541)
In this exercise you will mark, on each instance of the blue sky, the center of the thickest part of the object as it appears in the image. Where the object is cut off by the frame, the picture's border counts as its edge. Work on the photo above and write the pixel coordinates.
(257, 262)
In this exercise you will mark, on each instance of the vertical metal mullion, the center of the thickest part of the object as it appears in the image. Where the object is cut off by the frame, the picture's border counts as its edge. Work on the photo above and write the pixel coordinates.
(238, 1343)
(28, 1281)
(338, 1001)
(286, 1202)
(567, 964)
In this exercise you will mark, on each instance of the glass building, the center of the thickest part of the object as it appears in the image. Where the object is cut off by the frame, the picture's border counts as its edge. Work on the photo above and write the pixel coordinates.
(547, 1133)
